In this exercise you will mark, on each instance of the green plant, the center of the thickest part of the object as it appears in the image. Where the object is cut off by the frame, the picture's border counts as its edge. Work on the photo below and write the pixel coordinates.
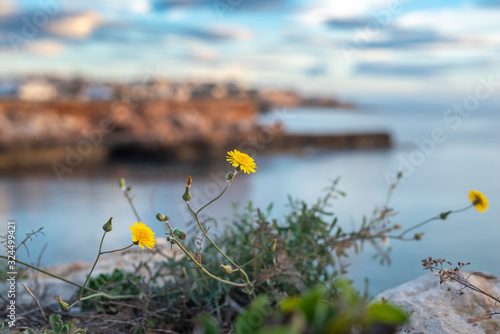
(310, 313)
(116, 283)
(57, 326)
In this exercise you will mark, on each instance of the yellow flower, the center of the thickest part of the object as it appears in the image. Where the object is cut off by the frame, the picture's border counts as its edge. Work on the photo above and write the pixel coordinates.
(142, 235)
(478, 200)
(241, 161)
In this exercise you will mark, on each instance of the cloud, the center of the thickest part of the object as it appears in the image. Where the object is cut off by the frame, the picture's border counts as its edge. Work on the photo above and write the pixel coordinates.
(408, 69)
(234, 5)
(316, 70)
(406, 38)
(78, 26)
(45, 47)
(321, 11)
(346, 23)
(7, 8)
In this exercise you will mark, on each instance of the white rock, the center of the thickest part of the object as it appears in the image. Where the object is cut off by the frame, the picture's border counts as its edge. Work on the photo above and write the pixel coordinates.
(439, 309)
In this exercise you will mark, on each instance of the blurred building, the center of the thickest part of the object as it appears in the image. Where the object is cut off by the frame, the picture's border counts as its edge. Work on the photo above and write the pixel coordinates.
(37, 90)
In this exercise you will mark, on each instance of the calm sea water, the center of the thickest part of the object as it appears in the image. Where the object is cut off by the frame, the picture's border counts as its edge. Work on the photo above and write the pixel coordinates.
(464, 155)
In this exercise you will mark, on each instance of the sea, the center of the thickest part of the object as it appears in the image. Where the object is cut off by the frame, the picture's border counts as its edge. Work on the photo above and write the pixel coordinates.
(443, 152)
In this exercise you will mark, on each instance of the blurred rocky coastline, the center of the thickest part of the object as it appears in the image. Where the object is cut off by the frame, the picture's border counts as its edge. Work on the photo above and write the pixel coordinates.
(36, 133)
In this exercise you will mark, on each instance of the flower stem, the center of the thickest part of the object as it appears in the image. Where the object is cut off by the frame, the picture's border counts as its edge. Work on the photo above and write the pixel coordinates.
(46, 272)
(93, 267)
(206, 271)
(117, 250)
(127, 196)
(437, 217)
(206, 235)
(216, 198)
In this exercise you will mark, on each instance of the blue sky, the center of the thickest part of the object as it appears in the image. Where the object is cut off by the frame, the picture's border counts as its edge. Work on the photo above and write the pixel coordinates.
(367, 48)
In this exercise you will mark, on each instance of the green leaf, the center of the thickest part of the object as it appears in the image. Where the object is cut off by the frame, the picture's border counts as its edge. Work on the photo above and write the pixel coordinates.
(208, 324)
(253, 318)
(385, 313)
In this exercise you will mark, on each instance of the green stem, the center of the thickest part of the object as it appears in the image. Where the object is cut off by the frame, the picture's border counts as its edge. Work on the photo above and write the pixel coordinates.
(45, 272)
(418, 225)
(117, 250)
(216, 198)
(438, 217)
(206, 271)
(255, 258)
(125, 192)
(93, 267)
(104, 294)
(206, 235)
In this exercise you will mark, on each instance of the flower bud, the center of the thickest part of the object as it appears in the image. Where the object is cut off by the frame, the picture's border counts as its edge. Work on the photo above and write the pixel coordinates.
(187, 195)
(398, 227)
(171, 240)
(229, 177)
(62, 304)
(444, 215)
(179, 233)
(108, 226)
(272, 246)
(162, 217)
(121, 183)
(189, 181)
(227, 269)
(129, 188)
(419, 236)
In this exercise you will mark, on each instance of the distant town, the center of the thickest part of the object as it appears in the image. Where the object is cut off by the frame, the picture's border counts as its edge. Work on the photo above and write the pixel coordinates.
(49, 88)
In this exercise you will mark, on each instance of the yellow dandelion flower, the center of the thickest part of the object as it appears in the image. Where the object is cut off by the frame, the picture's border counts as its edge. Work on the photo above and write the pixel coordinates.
(478, 200)
(142, 235)
(241, 161)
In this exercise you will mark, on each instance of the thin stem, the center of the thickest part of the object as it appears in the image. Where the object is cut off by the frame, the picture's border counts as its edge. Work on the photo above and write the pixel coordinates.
(206, 235)
(93, 267)
(46, 273)
(255, 258)
(418, 225)
(438, 217)
(216, 198)
(206, 271)
(127, 196)
(117, 250)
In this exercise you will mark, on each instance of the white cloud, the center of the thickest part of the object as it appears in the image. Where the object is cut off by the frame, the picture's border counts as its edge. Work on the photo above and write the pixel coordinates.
(7, 8)
(466, 23)
(45, 47)
(322, 10)
(79, 26)
(232, 32)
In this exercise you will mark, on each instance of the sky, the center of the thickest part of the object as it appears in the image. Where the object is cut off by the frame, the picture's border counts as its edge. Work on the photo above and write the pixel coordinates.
(352, 49)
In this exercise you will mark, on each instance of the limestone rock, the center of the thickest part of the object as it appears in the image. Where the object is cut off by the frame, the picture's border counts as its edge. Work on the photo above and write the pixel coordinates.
(439, 309)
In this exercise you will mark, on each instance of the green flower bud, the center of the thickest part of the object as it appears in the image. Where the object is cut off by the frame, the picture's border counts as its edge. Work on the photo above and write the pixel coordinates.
(272, 246)
(62, 304)
(179, 233)
(161, 217)
(129, 188)
(108, 226)
(171, 240)
(444, 215)
(229, 177)
(121, 183)
(419, 236)
(227, 269)
(187, 195)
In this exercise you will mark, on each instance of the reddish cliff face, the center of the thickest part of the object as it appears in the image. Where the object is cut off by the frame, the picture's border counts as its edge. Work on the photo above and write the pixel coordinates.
(169, 123)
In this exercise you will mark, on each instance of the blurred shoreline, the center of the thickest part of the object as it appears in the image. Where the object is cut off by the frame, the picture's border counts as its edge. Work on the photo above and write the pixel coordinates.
(63, 134)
